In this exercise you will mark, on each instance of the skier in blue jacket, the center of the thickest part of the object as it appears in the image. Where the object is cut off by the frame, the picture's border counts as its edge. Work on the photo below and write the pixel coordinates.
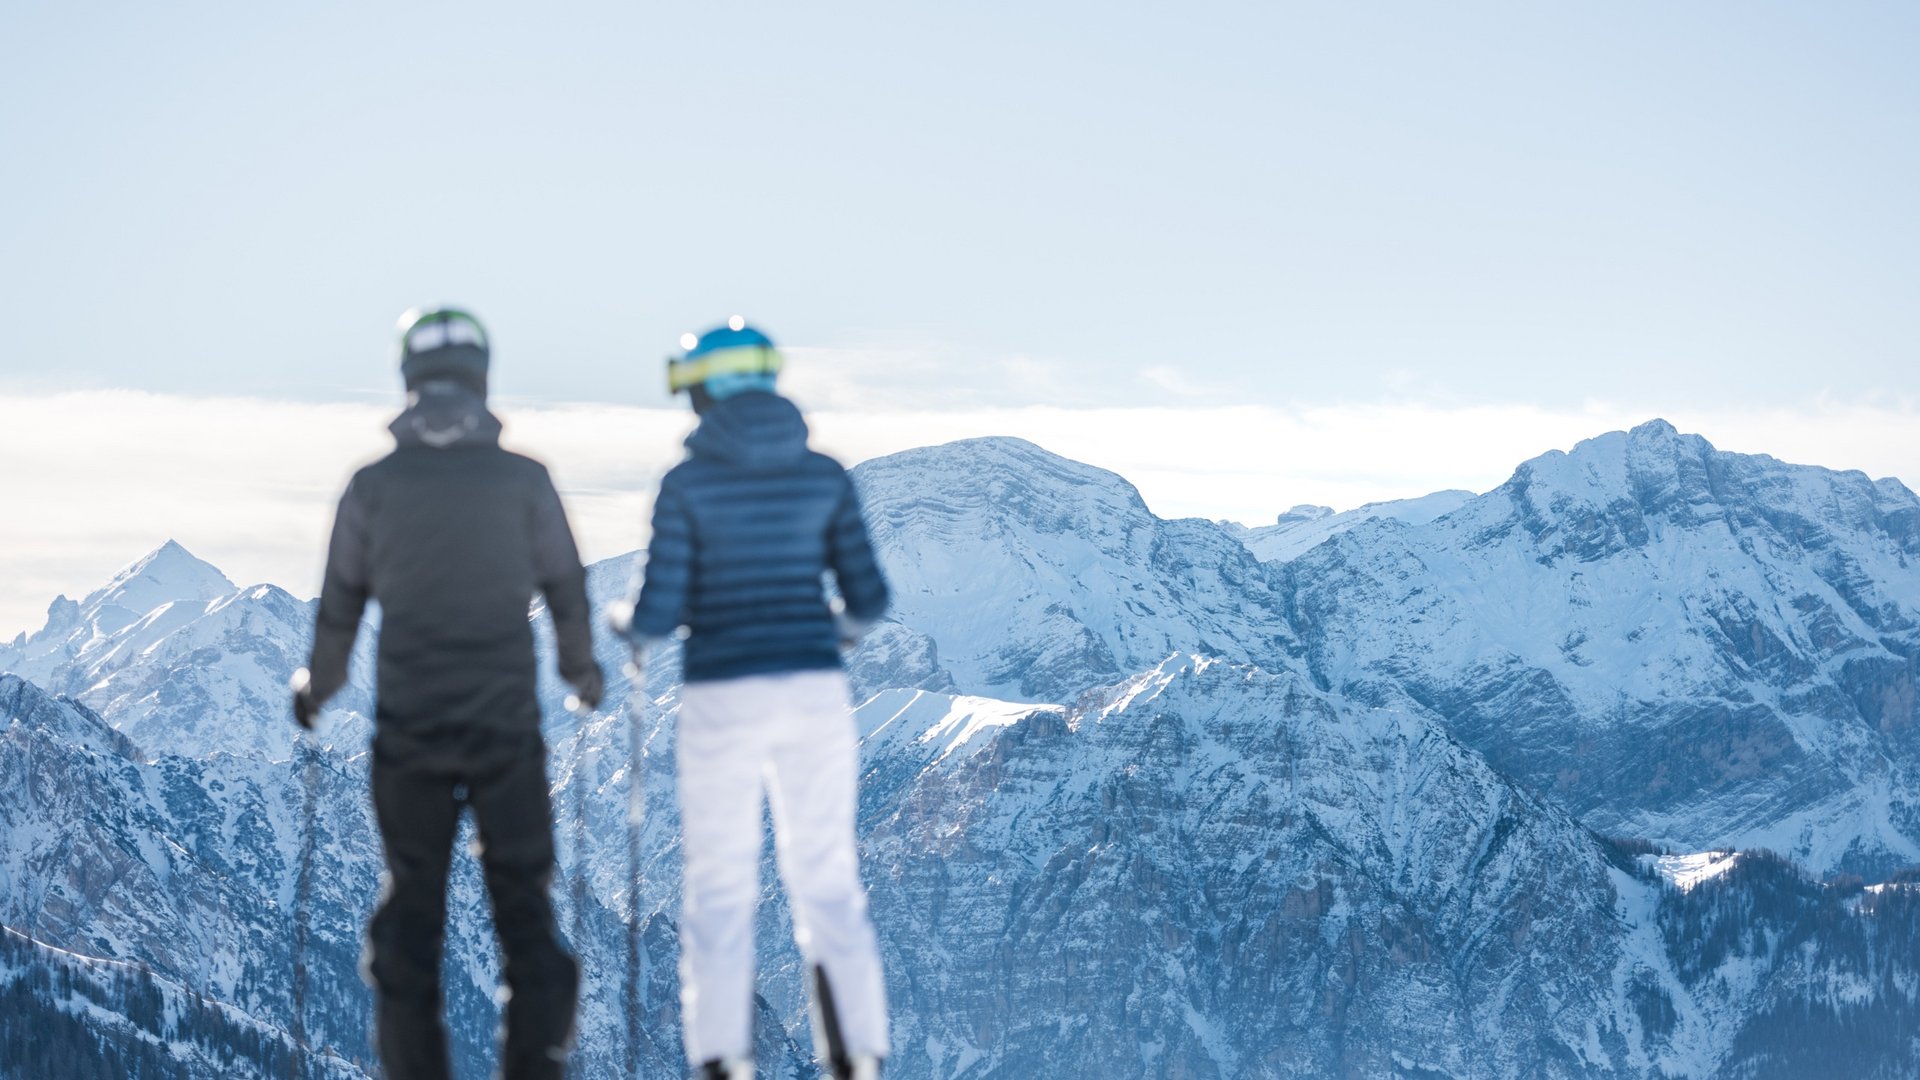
(745, 532)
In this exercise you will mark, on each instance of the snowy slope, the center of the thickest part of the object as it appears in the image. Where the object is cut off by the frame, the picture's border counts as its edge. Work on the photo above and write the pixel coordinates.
(1305, 527)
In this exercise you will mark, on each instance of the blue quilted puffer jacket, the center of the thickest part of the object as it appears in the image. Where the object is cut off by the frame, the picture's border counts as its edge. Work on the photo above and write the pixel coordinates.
(743, 532)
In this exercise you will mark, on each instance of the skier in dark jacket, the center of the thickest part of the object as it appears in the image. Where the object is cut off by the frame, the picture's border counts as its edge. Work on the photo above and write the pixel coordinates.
(453, 537)
(744, 532)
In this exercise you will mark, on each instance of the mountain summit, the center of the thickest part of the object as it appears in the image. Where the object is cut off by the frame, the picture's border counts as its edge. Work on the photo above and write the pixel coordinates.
(178, 657)
(1039, 577)
(1681, 643)
(168, 572)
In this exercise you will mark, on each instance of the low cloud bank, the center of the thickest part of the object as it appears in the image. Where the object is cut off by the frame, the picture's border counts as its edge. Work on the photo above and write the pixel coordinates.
(95, 479)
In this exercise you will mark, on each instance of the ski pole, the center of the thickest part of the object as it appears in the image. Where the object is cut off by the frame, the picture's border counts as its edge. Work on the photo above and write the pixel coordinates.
(303, 883)
(620, 621)
(637, 702)
(636, 812)
(585, 775)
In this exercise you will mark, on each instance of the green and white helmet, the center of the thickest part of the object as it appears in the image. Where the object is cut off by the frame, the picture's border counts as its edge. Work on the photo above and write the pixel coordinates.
(443, 343)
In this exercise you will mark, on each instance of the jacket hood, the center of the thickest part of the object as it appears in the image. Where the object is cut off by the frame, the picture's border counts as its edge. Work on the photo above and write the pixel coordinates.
(442, 415)
(753, 429)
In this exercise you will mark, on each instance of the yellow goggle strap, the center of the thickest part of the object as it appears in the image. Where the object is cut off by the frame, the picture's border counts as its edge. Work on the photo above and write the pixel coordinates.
(746, 360)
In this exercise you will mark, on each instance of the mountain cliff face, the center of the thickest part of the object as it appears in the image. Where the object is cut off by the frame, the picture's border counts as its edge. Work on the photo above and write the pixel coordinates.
(1134, 802)
(1284, 884)
(1704, 648)
(183, 867)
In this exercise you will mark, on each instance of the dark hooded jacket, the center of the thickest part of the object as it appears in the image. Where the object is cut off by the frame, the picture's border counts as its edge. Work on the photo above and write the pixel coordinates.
(744, 532)
(453, 537)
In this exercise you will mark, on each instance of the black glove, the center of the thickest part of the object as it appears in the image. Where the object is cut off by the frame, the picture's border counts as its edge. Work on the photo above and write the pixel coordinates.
(305, 709)
(588, 689)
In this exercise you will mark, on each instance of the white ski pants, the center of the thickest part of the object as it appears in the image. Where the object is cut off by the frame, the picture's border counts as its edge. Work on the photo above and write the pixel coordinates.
(791, 737)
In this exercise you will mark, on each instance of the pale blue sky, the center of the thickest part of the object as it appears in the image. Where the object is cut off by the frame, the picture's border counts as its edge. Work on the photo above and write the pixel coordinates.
(1688, 205)
(1247, 255)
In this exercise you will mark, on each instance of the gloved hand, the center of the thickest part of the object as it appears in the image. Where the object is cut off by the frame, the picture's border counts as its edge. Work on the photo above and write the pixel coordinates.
(620, 621)
(588, 690)
(305, 708)
(620, 617)
(850, 629)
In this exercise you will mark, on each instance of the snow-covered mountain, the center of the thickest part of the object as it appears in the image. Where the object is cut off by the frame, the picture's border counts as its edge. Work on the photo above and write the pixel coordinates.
(1704, 648)
(185, 869)
(179, 657)
(1207, 870)
(1037, 577)
(1134, 802)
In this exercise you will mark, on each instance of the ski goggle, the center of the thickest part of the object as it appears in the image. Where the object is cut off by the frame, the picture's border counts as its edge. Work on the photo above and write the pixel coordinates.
(437, 330)
(685, 373)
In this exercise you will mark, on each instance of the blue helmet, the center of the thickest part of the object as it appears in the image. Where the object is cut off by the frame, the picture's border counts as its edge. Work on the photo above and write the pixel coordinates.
(727, 360)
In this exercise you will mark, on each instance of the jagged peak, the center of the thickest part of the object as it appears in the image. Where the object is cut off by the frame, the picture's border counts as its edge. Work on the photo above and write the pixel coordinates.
(169, 554)
(1613, 464)
(1654, 435)
(62, 611)
(1656, 444)
(1602, 495)
(167, 573)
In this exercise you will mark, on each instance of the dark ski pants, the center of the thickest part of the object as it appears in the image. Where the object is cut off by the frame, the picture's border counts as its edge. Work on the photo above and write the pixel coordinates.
(418, 806)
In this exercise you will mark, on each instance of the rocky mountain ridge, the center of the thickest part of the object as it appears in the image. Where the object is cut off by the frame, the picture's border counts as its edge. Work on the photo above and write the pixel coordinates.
(1703, 648)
